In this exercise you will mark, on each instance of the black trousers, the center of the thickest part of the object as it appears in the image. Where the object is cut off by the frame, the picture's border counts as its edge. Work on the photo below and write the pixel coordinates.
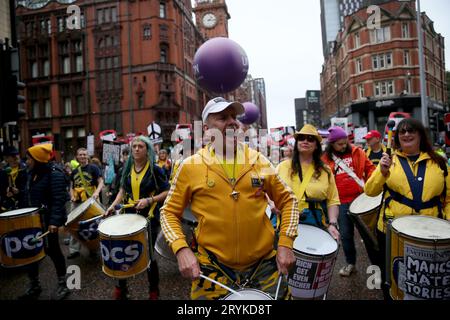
(53, 250)
(381, 262)
(152, 270)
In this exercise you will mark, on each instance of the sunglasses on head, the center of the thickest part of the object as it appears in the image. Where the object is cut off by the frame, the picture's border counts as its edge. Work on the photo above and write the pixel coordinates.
(403, 131)
(303, 137)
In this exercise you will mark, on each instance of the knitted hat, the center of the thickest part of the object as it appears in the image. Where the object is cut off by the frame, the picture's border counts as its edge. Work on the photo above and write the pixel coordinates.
(41, 152)
(336, 133)
(309, 130)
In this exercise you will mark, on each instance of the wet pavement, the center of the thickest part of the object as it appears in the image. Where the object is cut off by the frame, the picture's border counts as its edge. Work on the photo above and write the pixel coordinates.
(95, 285)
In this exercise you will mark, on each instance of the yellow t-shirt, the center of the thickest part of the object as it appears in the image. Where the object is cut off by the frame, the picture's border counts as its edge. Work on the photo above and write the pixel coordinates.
(322, 188)
(233, 167)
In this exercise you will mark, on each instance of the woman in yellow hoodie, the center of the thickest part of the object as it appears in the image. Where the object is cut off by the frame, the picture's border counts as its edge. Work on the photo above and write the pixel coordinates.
(415, 180)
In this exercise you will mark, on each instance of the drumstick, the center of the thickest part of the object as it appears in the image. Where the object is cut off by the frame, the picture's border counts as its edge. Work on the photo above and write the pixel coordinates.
(390, 125)
(278, 286)
(35, 240)
(220, 284)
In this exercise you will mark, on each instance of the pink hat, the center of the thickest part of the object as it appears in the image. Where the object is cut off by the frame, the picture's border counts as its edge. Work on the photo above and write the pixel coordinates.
(336, 133)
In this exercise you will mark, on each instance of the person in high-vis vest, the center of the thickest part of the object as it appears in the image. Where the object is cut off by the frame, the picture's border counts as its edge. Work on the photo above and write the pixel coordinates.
(13, 181)
(375, 148)
(225, 184)
(143, 185)
(415, 180)
(312, 181)
(86, 182)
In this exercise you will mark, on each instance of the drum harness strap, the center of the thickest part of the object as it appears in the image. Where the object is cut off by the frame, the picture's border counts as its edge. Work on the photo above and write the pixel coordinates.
(311, 202)
(416, 184)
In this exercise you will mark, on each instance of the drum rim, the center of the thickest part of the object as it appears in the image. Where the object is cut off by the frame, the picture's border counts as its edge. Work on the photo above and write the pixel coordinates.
(323, 256)
(129, 276)
(324, 232)
(5, 217)
(249, 289)
(408, 236)
(125, 234)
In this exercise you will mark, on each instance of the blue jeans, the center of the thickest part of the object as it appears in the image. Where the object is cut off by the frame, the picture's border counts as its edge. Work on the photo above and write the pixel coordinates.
(347, 231)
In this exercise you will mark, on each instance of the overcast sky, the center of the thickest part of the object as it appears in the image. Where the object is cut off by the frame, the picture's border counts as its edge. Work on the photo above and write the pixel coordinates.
(284, 45)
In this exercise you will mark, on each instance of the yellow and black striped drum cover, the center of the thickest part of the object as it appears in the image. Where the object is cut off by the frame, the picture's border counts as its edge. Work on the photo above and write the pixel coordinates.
(420, 258)
(124, 245)
(17, 230)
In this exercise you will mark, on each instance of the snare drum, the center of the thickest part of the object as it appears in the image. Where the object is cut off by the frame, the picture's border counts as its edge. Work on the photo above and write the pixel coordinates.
(419, 258)
(124, 245)
(363, 212)
(248, 294)
(82, 224)
(315, 251)
(17, 229)
(189, 224)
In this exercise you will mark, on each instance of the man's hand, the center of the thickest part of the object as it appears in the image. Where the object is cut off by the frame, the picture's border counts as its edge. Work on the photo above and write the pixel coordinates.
(188, 264)
(285, 260)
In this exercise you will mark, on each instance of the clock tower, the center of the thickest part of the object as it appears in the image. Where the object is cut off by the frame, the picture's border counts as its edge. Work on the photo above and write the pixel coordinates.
(212, 18)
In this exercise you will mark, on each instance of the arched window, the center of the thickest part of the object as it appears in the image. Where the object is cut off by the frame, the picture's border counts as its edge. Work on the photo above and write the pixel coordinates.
(164, 53)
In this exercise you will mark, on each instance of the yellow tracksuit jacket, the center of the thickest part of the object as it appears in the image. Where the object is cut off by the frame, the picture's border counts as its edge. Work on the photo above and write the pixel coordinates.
(238, 231)
(398, 182)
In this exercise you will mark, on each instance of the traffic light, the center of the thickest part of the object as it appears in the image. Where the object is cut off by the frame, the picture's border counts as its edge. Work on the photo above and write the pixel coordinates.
(10, 87)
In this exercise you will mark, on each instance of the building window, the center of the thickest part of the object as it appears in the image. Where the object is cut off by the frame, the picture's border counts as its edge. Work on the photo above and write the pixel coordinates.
(408, 86)
(405, 30)
(162, 10)
(46, 67)
(357, 40)
(163, 57)
(384, 88)
(34, 70)
(147, 32)
(67, 106)
(406, 58)
(382, 61)
(35, 110)
(47, 108)
(61, 25)
(79, 63)
(113, 14)
(361, 91)
(359, 66)
(380, 35)
(100, 16)
(66, 65)
(107, 13)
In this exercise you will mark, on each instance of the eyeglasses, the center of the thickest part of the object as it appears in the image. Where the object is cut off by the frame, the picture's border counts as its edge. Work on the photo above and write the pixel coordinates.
(409, 130)
(308, 138)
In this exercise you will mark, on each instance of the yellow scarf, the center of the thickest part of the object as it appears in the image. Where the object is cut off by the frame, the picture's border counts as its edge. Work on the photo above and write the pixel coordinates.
(136, 179)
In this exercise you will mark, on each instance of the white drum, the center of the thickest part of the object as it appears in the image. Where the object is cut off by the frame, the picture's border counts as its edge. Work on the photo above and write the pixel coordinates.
(315, 251)
(248, 294)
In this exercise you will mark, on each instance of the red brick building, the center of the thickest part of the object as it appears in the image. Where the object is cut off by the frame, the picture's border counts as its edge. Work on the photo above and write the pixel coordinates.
(129, 63)
(371, 73)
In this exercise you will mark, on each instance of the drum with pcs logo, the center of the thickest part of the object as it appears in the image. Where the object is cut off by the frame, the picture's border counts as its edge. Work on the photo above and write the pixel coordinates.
(418, 258)
(18, 228)
(82, 223)
(124, 245)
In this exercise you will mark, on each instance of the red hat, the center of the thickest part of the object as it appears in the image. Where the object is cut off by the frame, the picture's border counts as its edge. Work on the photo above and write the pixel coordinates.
(373, 134)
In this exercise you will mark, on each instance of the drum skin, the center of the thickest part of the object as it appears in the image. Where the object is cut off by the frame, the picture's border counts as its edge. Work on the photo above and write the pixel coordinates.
(364, 212)
(86, 234)
(419, 258)
(248, 294)
(17, 229)
(124, 254)
(315, 251)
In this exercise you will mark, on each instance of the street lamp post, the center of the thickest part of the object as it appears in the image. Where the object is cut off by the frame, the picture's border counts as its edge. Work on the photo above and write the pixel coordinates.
(423, 88)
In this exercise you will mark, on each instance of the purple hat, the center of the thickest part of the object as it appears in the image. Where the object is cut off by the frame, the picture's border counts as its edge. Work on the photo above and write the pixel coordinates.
(336, 133)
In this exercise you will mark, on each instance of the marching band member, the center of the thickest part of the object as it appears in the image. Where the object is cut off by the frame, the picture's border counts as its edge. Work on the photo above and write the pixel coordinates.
(415, 180)
(312, 180)
(47, 190)
(143, 184)
(375, 148)
(86, 182)
(351, 168)
(13, 181)
(225, 184)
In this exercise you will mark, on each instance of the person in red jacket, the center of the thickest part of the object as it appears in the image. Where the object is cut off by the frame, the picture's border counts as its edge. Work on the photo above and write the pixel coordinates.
(351, 168)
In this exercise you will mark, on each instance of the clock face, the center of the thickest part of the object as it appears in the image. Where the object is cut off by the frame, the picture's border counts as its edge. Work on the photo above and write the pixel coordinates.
(209, 20)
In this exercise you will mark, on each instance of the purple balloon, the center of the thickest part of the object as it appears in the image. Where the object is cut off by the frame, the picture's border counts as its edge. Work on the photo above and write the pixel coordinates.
(251, 114)
(220, 65)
